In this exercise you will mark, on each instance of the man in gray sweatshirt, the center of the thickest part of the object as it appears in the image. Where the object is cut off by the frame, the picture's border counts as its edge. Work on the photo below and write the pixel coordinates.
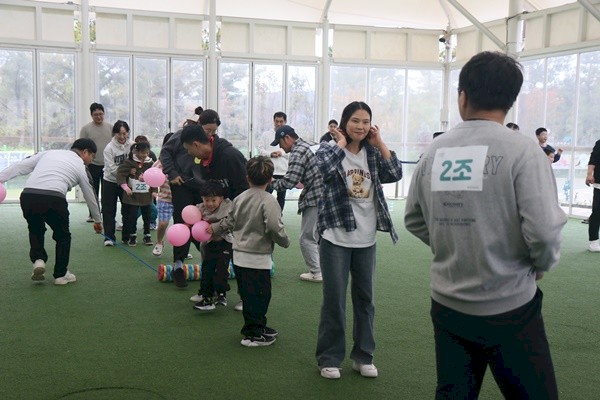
(485, 201)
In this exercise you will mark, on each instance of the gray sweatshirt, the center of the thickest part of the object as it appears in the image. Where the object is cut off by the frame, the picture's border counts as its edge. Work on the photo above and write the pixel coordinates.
(54, 173)
(255, 221)
(485, 200)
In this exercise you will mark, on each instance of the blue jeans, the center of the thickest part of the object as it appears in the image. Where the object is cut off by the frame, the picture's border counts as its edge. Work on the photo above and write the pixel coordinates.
(337, 265)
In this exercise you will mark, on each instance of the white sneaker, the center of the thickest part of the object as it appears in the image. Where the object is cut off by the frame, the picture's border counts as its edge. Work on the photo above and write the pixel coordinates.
(109, 243)
(196, 298)
(594, 246)
(330, 373)
(63, 280)
(310, 277)
(119, 227)
(39, 268)
(158, 249)
(366, 370)
(189, 256)
(239, 306)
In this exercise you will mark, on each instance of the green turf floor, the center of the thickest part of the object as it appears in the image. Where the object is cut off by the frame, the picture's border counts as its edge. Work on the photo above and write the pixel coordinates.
(118, 333)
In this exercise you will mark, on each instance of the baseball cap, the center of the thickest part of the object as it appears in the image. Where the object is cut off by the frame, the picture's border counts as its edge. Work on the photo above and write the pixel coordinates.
(281, 132)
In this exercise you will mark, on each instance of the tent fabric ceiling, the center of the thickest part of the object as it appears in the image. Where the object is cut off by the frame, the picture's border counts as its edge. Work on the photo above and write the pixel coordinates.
(416, 14)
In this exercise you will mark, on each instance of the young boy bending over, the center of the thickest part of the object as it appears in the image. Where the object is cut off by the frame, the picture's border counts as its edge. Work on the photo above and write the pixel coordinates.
(255, 221)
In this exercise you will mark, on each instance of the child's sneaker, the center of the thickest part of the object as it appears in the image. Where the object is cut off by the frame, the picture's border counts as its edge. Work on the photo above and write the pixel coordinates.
(109, 243)
(206, 304)
(196, 298)
(189, 256)
(63, 280)
(148, 240)
(158, 249)
(594, 246)
(132, 242)
(257, 341)
(239, 306)
(269, 332)
(152, 227)
(222, 299)
(39, 268)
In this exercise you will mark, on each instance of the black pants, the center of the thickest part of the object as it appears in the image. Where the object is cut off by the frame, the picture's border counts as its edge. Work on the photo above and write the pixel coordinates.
(39, 210)
(513, 344)
(254, 286)
(280, 193)
(110, 193)
(130, 216)
(96, 172)
(215, 268)
(183, 196)
(594, 221)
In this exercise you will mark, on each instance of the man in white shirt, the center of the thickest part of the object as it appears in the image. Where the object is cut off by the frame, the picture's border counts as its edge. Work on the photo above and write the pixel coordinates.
(277, 155)
(43, 201)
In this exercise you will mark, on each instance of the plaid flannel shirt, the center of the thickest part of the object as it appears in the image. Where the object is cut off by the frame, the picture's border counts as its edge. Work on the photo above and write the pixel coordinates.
(335, 209)
(302, 168)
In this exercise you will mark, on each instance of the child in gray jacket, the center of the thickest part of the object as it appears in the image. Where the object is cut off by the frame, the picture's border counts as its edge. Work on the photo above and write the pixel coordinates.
(255, 222)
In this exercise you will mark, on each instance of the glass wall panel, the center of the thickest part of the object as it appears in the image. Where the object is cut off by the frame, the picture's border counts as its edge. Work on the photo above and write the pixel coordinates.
(301, 100)
(267, 99)
(348, 84)
(113, 87)
(386, 99)
(561, 92)
(188, 91)
(234, 97)
(16, 113)
(454, 115)
(582, 194)
(588, 122)
(424, 105)
(57, 101)
(531, 100)
(150, 99)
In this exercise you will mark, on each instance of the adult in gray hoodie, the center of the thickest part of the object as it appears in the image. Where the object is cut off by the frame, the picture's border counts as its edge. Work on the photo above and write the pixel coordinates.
(485, 201)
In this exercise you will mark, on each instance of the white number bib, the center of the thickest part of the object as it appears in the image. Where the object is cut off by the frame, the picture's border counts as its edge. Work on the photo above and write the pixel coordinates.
(458, 168)
(138, 186)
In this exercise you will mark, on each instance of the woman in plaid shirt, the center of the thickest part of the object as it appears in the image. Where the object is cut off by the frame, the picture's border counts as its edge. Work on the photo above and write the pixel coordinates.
(352, 209)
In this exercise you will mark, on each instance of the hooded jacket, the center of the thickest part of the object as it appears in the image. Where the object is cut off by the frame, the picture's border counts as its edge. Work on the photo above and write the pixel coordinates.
(114, 155)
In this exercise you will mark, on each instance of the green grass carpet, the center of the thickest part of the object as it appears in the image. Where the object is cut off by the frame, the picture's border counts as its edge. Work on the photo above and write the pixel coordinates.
(118, 333)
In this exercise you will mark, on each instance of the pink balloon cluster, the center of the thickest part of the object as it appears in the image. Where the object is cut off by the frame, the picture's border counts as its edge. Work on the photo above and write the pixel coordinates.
(191, 214)
(178, 234)
(199, 231)
(154, 177)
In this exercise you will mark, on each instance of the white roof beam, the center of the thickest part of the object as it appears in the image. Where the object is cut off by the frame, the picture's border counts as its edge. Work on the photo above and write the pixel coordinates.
(590, 7)
(478, 24)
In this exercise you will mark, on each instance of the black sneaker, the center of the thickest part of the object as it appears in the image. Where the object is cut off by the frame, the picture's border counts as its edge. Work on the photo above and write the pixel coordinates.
(206, 304)
(269, 332)
(132, 242)
(222, 299)
(257, 341)
(179, 278)
(148, 240)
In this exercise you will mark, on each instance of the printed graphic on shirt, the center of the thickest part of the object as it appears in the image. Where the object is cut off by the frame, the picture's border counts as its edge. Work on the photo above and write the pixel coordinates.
(120, 158)
(458, 168)
(359, 183)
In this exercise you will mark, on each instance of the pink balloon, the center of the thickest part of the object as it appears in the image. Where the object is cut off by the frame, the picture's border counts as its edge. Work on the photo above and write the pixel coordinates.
(191, 214)
(199, 231)
(178, 234)
(154, 177)
(2, 192)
